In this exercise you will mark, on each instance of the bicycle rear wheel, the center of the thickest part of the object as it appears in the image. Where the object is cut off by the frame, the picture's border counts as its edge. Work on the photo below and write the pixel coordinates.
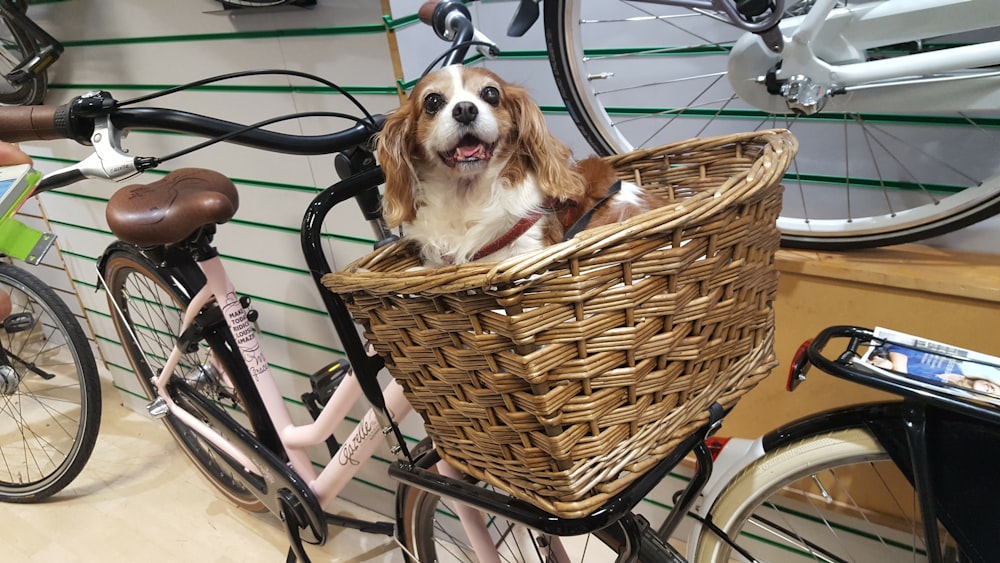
(148, 309)
(18, 45)
(830, 497)
(50, 394)
(635, 75)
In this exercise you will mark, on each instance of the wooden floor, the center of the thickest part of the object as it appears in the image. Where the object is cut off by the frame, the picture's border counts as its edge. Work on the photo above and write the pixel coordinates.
(139, 499)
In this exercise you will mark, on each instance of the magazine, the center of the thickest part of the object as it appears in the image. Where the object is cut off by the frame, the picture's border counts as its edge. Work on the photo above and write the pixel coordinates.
(961, 372)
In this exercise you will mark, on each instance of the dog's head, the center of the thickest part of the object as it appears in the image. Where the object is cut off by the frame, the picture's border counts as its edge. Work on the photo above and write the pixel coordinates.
(461, 124)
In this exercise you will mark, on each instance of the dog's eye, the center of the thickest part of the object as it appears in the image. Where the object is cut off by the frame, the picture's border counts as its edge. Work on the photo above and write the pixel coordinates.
(433, 103)
(490, 95)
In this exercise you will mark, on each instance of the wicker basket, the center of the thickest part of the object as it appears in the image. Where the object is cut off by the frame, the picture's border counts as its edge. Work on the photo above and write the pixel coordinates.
(560, 376)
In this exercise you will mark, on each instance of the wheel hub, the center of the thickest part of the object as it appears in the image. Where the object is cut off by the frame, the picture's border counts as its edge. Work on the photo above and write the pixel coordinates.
(10, 380)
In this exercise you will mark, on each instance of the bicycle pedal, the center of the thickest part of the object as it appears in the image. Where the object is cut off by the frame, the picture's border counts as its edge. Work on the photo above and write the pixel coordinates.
(19, 322)
(326, 380)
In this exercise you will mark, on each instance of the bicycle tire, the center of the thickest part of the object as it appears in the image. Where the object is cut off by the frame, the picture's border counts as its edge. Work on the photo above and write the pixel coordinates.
(809, 523)
(429, 530)
(147, 309)
(18, 45)
(902, 177)
(49, 422)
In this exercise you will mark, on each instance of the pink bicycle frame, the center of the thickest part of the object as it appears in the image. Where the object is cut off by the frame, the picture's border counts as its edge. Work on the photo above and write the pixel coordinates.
(358, 447)
(354, 451)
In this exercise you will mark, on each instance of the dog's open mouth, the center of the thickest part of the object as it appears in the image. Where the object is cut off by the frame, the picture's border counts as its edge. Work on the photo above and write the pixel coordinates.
(469, 150)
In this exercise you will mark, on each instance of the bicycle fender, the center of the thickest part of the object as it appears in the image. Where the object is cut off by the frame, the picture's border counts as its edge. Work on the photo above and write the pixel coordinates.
(183, 265)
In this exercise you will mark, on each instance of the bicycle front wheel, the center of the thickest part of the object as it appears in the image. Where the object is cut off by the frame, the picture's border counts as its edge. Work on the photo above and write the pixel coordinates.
(17, 45)
(635, 75)
(148, 310)
(50, 394)
(430, 530)
(830, 497)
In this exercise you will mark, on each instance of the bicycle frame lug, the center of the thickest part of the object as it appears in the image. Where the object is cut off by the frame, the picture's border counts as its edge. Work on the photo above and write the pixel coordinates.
(158, 408)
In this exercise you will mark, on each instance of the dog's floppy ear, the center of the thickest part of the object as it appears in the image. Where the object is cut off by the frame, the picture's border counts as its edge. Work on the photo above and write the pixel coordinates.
(541, 150)
(393, 150)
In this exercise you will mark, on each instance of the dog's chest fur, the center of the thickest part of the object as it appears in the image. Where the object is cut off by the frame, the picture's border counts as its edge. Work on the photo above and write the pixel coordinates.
(454, 219)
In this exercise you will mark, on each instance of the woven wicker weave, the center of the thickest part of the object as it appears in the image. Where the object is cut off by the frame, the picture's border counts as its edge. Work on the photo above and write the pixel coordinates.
(562, 375)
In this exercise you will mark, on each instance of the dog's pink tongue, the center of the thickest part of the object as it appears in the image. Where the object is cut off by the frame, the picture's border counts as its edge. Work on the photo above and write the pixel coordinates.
(471, 151)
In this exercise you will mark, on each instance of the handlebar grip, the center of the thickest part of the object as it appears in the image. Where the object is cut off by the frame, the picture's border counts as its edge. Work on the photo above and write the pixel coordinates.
(34, 123)
(426, 11)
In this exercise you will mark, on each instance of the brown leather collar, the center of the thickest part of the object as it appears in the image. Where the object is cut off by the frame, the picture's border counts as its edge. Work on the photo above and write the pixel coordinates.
(510, 236)
(519, 228)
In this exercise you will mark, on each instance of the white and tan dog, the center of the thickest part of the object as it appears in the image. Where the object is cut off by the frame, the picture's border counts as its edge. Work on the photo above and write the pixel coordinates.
(472, 172)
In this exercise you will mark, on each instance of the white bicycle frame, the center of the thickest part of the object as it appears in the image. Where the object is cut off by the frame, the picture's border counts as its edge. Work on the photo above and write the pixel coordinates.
(949, 80)
(827, 45)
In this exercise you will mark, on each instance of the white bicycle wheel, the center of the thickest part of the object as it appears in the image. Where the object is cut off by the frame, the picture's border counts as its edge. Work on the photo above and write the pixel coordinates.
(635, 74)
(831, 497)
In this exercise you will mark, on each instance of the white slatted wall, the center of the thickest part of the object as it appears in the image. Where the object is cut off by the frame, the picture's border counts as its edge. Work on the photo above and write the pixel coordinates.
(133, 47)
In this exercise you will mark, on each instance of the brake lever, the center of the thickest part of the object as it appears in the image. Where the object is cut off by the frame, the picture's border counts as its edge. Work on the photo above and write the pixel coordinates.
(491, 50)
(109, 160)
(449, 17)
(524, 17)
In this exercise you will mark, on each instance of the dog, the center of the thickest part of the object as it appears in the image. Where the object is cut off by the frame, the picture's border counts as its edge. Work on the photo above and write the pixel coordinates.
(472, 172)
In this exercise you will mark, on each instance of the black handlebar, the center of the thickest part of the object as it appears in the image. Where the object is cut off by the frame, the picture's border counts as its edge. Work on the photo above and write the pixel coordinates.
(75, 120)
(204, 126)
(97, 119)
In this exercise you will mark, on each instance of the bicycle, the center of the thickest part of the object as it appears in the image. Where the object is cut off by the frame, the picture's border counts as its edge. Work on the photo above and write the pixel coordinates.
(896, 101)
(27, 53)
(239, 447)
(933, 446)
(192, 343)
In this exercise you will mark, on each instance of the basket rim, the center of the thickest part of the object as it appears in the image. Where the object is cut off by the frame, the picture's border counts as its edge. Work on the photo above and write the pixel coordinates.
(779, 147)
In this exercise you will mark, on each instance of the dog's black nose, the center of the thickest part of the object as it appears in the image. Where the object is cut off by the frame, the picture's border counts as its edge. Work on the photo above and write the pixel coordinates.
(465, 112)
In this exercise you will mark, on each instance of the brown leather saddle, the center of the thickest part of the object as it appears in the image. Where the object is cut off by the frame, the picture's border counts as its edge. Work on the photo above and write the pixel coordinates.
(168, 210)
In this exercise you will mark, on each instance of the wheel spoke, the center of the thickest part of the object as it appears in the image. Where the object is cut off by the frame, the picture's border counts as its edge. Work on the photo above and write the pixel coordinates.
(149, 317)
(829, 497)
(643, 74)
(49, 393)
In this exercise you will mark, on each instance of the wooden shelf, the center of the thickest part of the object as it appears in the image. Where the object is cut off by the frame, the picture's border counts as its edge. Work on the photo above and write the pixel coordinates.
(910, 266)
(947, 296)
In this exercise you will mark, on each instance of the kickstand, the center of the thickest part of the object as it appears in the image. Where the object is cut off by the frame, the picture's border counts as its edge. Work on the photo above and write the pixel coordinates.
(289, 517)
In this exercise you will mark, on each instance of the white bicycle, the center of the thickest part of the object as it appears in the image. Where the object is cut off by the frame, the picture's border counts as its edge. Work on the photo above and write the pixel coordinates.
(895, 102)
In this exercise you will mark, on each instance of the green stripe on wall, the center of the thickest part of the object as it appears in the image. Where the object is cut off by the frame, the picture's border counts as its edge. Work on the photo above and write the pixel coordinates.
(234, 36)
(276, 336)
(736, 113)
(242, 89)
